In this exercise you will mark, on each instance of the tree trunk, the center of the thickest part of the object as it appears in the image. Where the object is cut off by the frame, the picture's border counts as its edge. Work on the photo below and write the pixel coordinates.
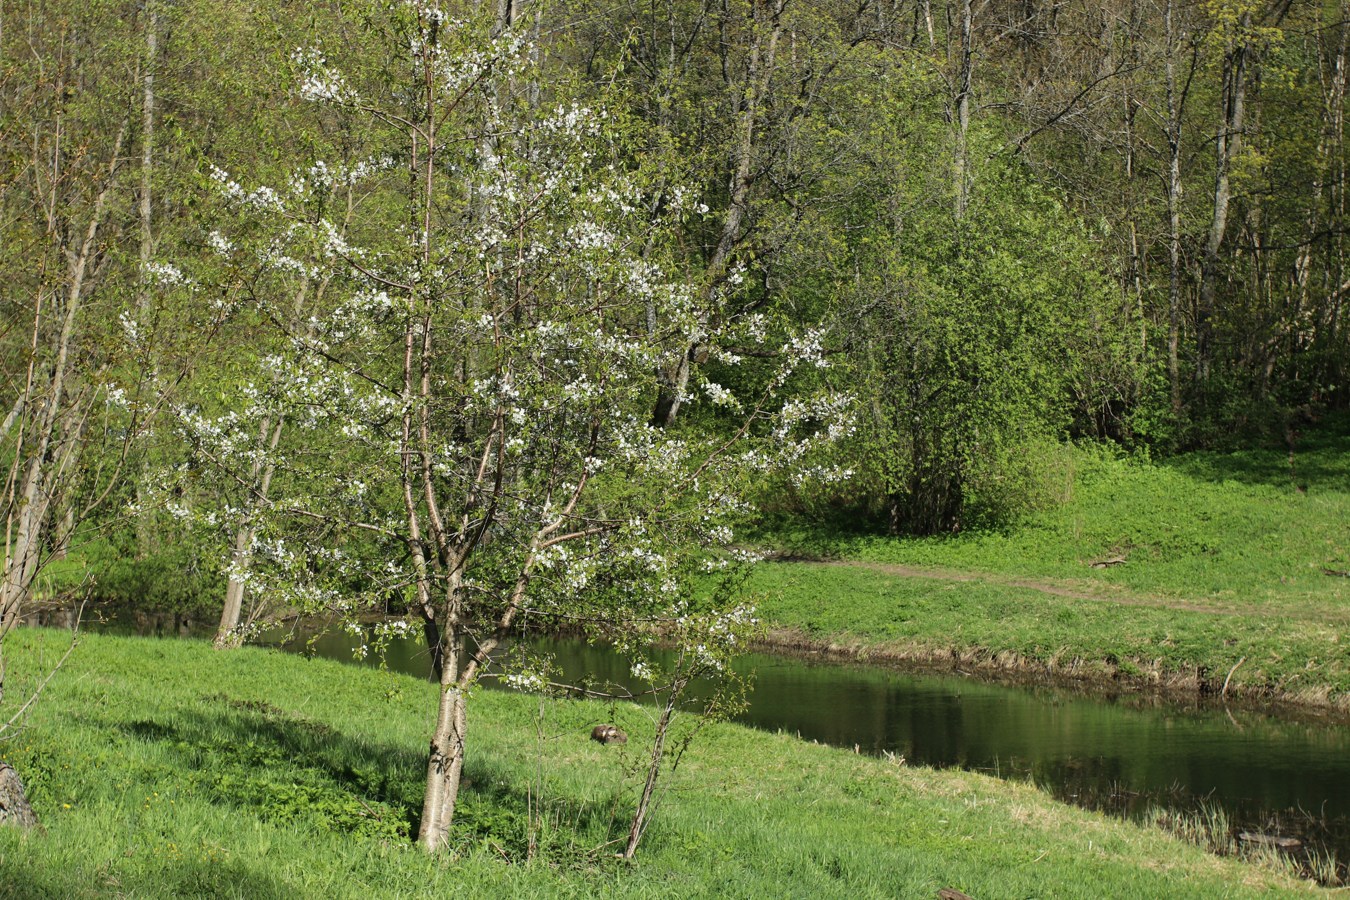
(14, 808)
(1336, 253)
(145, 537)
(923, 13)
(1175, 106)
(961, 162)
(260, 485)
(1226, 148)
(673, 379)
(1135, 280)
(445, 761)
(36, 487)
(241, 557)
(644, 806)
(1311, 322)
(226, 632)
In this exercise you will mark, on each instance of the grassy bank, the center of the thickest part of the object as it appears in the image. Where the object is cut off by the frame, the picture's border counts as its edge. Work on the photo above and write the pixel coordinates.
(1170, 573)
(162, 768)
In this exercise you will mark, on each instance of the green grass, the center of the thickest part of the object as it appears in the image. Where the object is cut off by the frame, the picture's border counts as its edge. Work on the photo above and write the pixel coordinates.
(1225, 558)
(875, 613)
(162, 768)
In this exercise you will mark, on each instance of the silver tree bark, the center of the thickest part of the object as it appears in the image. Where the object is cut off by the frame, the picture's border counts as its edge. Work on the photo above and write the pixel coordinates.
(1176, 102)
(260, 480)
(766, 29)
(961, 162)
(1227, 144)
(144, 522)
(46, 457)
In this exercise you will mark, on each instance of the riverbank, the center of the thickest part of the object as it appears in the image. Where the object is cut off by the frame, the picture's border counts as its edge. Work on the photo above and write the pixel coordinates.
(1210, 574)
(163, 768)
(967, 624)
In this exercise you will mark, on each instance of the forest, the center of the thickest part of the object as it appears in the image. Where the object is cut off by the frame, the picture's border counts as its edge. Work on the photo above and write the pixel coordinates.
(479, 314)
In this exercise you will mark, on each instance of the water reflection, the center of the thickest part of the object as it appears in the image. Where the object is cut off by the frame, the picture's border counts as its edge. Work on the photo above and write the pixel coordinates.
(1266, 773)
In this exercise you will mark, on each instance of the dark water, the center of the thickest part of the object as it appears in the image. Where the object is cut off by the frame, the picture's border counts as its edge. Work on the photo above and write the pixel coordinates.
(1269, 775)
(1122, 754)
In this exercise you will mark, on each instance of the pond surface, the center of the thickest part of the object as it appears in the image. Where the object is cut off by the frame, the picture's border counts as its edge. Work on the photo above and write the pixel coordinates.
(1268, 775)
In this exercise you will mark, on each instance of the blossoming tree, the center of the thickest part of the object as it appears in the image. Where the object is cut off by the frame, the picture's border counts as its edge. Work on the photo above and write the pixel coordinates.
(469, 407)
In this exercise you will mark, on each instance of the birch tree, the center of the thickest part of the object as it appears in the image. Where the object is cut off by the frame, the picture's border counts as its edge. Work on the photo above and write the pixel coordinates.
(68, 426)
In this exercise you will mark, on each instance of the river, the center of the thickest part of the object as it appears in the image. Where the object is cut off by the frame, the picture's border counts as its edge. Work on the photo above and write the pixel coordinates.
(1121, 753)
(1269, 773)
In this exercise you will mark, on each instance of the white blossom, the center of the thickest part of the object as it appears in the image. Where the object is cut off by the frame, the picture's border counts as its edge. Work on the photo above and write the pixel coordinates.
(319, 82)
(165, 274)
(524, 681)
(720, 396)
(217, 242)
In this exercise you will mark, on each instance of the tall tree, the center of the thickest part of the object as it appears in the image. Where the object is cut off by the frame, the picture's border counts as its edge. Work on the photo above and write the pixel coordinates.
(481, 374)
(67, 119)
(1235, 32)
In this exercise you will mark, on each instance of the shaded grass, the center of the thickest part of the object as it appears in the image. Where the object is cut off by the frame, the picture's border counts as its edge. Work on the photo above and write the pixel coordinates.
(167, 769)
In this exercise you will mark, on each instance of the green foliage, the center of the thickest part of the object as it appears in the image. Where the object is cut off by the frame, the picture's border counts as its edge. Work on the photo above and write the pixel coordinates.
(973, 345)
(182, 576)
(974, 342)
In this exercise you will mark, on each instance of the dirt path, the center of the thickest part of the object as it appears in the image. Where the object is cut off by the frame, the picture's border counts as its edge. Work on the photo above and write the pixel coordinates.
(1091, 593)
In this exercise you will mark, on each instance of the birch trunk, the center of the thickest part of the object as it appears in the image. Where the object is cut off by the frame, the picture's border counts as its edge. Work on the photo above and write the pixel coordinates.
(1226, 148)
(1175, 106)
(674, 378)
(260, 484)
(1336, 262)
(961, 163)
(1309, 322)
(227, 632)
(144, 532)
(38, 482)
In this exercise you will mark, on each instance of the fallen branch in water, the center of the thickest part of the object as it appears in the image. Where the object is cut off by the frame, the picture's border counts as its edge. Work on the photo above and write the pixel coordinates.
(1224, 692)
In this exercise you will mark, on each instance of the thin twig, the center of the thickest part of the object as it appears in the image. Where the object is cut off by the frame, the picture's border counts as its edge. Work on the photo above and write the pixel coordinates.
(32, 698)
